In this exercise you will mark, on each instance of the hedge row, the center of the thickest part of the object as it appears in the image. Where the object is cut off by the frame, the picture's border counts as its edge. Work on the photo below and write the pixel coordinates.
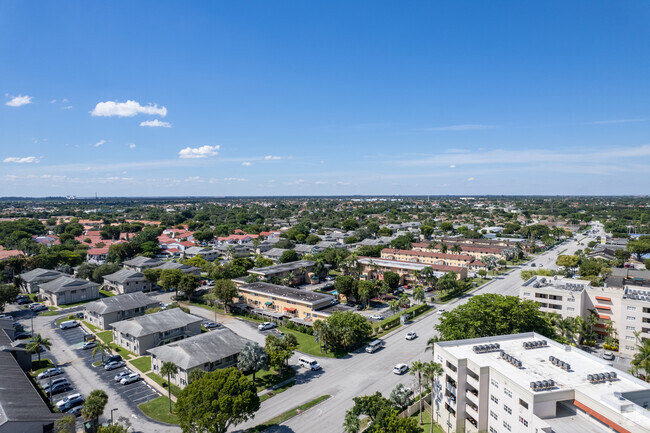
(412, 312)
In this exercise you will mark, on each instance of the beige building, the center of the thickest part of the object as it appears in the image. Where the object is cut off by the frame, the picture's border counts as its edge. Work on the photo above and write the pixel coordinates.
(476, 251)
(67, 290)
(526, 383)
(302, 271)
(104, 312)
(432, 258)
(208, 351)
(127, 281)
(152, 330)
(374, 268)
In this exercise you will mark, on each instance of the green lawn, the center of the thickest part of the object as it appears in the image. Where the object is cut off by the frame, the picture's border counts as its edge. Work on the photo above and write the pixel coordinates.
(426, 422)
(106, 336)
(307, 344)
(162, 382)
(106, 293)
(288, 414)
(49, 313)
(281, 389)
(93, 328)
(43, 365)
(267, 378)
(205, 307)
(158, 409)
(126, 354)
(143, 363)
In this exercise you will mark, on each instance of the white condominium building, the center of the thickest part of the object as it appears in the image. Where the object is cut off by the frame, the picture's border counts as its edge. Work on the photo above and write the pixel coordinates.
(528, 383)
(626, 306)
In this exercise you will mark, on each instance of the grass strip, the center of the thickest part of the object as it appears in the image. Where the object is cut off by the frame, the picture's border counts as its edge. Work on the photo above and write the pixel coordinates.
(281, 389)
(143, 363)
(40, 366)
(267, 378)
(288, 414)
(158, 409)
(93, 328)
(106, 293)
(106, 336)
(162, 382)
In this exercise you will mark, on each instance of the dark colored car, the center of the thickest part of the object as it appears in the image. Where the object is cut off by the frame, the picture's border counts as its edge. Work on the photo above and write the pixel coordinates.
(23, 301)
(22, 336)
(58, 389)
(110, 359)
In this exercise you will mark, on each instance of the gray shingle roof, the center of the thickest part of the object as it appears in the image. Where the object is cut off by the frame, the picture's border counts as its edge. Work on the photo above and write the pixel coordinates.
(64, 283)
(157, 322)
(282, 267)
(142, 260)
(176, 265)
(200, 349)
(125, 302)
(124, 274)
(39, 273)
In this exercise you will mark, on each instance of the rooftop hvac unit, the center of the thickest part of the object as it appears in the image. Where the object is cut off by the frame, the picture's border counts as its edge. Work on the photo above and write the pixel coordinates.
(551, 358)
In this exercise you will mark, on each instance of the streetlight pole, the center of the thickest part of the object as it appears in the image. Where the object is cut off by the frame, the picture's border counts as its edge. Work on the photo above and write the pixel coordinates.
(112, 415)
(32, 321)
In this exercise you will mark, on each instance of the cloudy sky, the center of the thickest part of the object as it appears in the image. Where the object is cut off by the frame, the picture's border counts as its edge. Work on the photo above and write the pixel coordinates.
(293, 97)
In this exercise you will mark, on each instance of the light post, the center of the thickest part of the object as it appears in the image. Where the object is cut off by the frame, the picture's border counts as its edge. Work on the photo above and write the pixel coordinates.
(32, 321)
(112, 415)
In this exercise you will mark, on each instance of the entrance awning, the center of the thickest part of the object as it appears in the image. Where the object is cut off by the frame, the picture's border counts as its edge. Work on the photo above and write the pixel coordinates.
(290, 309)
(267, 303)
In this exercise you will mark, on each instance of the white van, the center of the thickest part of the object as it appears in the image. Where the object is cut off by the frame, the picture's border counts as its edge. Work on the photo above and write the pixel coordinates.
(374, 346)
(68, 324)
(309, 363)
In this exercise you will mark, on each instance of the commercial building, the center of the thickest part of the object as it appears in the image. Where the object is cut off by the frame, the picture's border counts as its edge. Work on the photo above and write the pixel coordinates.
(208, 351)
(374, 268)
(67, 290)
(127, 281)
(624, 307)
(30, 281)
(528, 383)
(104, 312)
(146, 332)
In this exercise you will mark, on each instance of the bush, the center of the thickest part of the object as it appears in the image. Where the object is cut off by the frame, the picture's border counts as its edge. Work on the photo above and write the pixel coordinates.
(612, 347)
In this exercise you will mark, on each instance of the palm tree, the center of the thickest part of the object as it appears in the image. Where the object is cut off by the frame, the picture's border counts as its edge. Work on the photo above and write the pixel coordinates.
(168, 368)
(417, 368)
(431, 344)
(393, 306)
(456, 249)
(641, 359)
(431, 372)
(94, 406)
(444, 248)
(418, 295)
(102, 348)
(37, 344)
(253, 357)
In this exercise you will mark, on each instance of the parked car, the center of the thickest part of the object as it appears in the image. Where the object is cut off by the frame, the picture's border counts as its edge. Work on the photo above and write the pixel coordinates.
(609, 356)
(359, 307)
(441, 310)
(47, 385)
(377, 317)
(89, 344)
(133, 377)
(75, 411)
(121, 375)
(266, 325)
(113, 365)
(350, 304)
(33, 304)
(23, 301)
(211, 325)
(79, 315)
(334, 301)
(111, 359)
(533, 265)
(78, 401)
(39, 307)
(49, 372)
(69, 324)
(400, 369)
(411, 336)
(22, 336)
(71, 397)
(58, 388)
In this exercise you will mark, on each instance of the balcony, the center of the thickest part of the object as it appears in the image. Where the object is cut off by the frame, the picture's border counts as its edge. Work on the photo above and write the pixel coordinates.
(470, 425)
(471, 410)
(473, 381)
(472, 397)
(451, 389)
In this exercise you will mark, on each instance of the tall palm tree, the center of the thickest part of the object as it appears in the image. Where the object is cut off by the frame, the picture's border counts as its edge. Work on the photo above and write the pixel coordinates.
(94, 406)
(431, 372)
(37, 344)
(456, 249)
(417, 368)
(444, 248)
(418, 295)
(102, 348)
(641, 359)
(168, 368)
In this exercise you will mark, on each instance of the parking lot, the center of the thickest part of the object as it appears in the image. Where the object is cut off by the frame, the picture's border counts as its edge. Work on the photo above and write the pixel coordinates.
(134, 393)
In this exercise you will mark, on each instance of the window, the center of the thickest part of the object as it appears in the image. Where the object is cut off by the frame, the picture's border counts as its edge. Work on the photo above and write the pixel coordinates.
(629, 347)
(507, 392)
(494, 399)
(631, 318)
(494, 415)
(526, 293)
(631, 308)
(506, 425)
(523, 404)
(570, 309)
(629, 337)
(507, 409)
(630, 328)
(523, 421)
(571, 299)
(493, 430)
(494, 383)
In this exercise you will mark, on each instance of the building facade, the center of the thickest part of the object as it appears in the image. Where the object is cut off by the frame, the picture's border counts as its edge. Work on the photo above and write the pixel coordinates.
(67, 290)
(127, 281)
(104, 312)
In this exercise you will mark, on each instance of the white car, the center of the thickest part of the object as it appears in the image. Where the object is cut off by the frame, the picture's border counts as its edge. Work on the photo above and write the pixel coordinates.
(442, 310)
(411, 336)
(377, 317)
(121, 375)
(609, 356)
(67, 399)
(400, 369)
(266, 325)
(133, 377)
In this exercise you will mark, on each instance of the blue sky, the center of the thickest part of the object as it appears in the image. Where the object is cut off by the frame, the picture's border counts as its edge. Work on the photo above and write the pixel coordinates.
(323, 98)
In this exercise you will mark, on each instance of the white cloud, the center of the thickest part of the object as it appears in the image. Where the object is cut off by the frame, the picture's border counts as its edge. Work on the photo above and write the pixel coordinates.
(452, 166)
(275, 158)
(126, 109)
(320, 182)
(611, 122)
(99, 143)
(156, 124)
(467, 127)
(234, 179)
(199, 152)
(22, 160)
(53, 101)
(67, 107)
(131, 145)
(246, 164)
(19, 100)
(470, 179)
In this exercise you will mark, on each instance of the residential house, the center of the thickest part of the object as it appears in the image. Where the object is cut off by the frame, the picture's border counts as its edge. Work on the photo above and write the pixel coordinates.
(274, 253)
(152, 330)
(30, 281)
(208, 351)
(104, 312)
(127, 281)
(140, 263)
(97, 255)
(67, 290)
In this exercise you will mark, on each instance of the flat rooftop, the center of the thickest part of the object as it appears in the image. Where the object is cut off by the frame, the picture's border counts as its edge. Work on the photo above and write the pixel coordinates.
(568, 284)
(282, 267)
(289, 293)
(408, 265)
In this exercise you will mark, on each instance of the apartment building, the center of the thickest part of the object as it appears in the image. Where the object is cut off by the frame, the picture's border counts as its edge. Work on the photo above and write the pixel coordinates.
(127, 281)
(140, 263)
(301, 271)
(374, 268)
(432, 258)
(208, 254)
(67, 290)
(30, 281)
(478, 252)
(152, 330)
(113, 309)
(625, 307)
(528, 383)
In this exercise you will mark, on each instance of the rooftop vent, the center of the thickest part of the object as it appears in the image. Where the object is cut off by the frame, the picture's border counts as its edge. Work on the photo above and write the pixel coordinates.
(601, 377)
